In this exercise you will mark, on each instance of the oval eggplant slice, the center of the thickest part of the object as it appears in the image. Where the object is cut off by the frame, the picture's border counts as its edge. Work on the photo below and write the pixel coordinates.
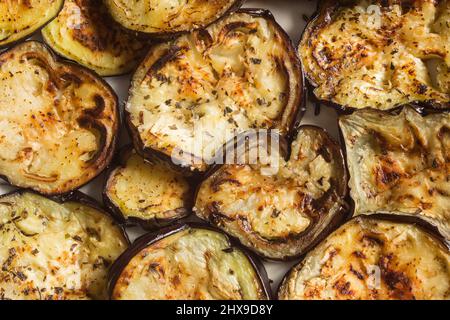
(20, 19)
(278, 208)
(83, 32)
(372, 259)
(361, 53)
(190, 96)
(400, 164)
(146, 192)
(58, 121)
(189, 262)
(56, 250)
(163, 17)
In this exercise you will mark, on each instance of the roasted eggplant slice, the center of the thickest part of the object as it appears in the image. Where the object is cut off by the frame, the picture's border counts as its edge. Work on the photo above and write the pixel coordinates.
(361, 53)
(84, 32)
(191, 95)
(188, 262)
(372, 259)
(279, 208)
(58, 121)
(400, 163)
(56, 250)
(20, 19)
(146, 192)
(162, 17)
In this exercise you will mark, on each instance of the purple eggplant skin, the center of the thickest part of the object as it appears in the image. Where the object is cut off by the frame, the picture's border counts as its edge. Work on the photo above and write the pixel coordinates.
(341, 215)
(150, 238)
(120, 162)
(38, 30)
(165, 36)
(106, 154)
(75, 196)
(421, 224)
(294, 118)
(320, 18)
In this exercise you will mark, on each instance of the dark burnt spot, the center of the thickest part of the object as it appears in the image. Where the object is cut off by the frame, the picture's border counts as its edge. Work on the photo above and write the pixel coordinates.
(228, 250)
(398, 282)
(372, 240)
(99, 107)
(422, 89)
(222, 177)
(343, 287)
(359, 254)
(176, 281)
(357, 273)
(70, 78)
(9, 260)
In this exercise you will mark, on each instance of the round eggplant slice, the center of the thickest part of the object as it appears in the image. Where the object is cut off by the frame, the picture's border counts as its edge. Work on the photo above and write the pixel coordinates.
(372, 259)
(279, 208)
(399, 163)
(189, 262)
(84, 32)
(20, 19)
(55, 250)
(147, 192)
(190, 96)
(58, 121)
(165, 17)
(377, 54)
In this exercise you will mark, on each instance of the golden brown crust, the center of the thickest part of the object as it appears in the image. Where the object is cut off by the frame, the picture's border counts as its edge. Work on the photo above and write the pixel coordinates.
(278, 208)
(191, 95)
(372, 259)
(161, 17)
(84, 32)
(20, 19)
(147, 192)
(361, 54)
(59, 121)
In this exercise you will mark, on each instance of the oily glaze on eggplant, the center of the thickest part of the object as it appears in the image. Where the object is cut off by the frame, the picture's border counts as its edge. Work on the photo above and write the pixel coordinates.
(379, 54)
(399, 163)
(188, 262)
(372, 259)
(58, 121)
(55, 250)
(279, 208)
(84, 32)
(165, 17)
(193, 94)
(20, 19)
(146, 192)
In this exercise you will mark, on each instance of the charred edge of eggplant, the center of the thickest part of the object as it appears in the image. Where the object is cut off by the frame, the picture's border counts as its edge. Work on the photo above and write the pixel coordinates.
(148, 224)
(342, 215)
(150, 153)
(396, 111)
(109, 153)
(150, 238)
(5, 47)
(76, 197)
(318, 19)
(291, 49)
(166, 36)
(114, 24)
(296, 117)
(423, 225)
